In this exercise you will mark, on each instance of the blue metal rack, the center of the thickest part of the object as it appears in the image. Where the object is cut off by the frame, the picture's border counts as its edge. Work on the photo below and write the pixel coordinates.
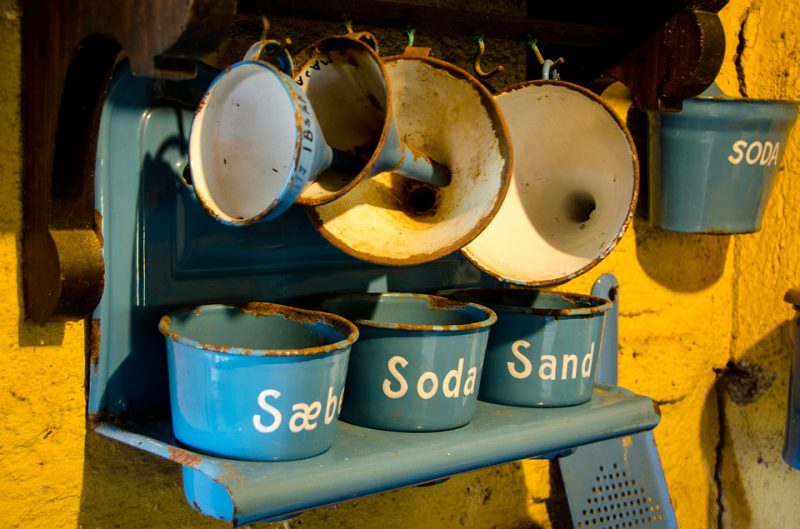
(162, 251)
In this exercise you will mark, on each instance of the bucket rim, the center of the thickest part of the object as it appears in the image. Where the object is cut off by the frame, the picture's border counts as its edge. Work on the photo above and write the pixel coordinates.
(262, 309)
(484, 295)
(434, 303)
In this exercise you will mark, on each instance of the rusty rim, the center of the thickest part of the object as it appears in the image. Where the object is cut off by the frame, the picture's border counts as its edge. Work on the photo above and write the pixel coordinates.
(260, 309)
(198, 123)
(631, 208)
(506, 151)
(493, 297)
(434, 303)
(344, 43)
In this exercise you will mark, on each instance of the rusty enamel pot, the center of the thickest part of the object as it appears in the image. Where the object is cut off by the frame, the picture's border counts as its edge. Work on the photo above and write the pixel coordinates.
(417, 365)
(346, 83)
(574, 188)
(443, 111)
(259, 381)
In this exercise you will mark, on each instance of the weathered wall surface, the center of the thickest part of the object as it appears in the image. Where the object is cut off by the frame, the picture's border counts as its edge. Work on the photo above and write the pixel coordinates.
(690, 304)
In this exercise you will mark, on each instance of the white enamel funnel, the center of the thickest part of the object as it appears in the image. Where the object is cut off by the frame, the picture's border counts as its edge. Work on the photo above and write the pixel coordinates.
(446, 113)
(573, 191)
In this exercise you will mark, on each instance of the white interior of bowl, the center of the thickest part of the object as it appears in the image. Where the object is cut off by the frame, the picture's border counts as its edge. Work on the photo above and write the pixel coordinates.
(348, 92)
(572, 189)
(443, 116)
(243, 142)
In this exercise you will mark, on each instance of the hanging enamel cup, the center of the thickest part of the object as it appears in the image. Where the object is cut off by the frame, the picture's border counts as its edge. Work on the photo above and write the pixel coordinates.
(713, 165)
(573, 191)
(255, 142)
(346, 82)
(443, 111)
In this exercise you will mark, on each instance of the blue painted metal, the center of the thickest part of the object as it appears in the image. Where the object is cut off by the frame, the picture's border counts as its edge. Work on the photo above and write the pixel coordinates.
(791, 441)
(617, 482)
(713, 165)
(542, 350)
(417, 363)
(364, 461)
(260, 382)
(163, 252)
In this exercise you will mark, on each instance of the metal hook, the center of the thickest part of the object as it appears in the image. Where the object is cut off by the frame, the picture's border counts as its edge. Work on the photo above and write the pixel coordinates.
(348, 25)
(549, 68)
(410, 32)
(265, 25)
(476, 63)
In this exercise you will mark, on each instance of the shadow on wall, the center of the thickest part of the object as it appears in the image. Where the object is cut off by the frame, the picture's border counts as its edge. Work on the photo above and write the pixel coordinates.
(681, 262)
(32, 334)
(126, 488)
(739, 396)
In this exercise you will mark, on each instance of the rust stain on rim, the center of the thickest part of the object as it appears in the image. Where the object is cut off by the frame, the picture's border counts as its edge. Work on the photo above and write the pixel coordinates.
(263, 309)
(184, 457)
(505, 147)
(434, 303)
(498, 298)
(343, 44)
(290, 182)
(631, 209)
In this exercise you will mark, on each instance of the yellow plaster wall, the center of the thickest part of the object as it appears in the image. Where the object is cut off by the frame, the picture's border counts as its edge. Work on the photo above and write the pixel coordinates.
(689, 304)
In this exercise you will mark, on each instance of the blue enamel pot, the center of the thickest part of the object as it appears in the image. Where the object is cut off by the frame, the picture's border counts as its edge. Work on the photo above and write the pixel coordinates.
(713, 165)
(417, 365)
(543, 350)
(258, 381)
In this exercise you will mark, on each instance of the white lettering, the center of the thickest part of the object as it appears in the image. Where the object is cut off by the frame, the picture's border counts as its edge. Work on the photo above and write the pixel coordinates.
(387, 385)
(426, 376)
(567, 359)
(526, 364)
(773, 160)
(586, 365)
(452, 380)
(469, 384)
(737, 149)
(305, 417)
(331, 408)
(548, 364)
(766, 154)
(276, 415)
(753, 159)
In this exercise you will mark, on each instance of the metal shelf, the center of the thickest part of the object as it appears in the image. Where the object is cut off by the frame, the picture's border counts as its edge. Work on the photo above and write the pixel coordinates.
(363, 461)
(161, 251)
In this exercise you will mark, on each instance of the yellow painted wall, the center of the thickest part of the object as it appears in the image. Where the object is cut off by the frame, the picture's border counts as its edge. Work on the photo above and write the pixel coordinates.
(689, 305)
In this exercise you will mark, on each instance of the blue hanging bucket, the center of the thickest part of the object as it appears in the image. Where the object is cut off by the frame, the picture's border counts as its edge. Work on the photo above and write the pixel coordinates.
(713, 165)
(259, 381)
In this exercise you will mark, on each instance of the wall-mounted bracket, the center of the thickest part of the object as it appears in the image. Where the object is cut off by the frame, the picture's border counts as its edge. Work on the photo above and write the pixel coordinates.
(69, 49)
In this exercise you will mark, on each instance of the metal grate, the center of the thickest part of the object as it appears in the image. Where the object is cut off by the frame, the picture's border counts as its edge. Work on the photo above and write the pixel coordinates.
(618, 501)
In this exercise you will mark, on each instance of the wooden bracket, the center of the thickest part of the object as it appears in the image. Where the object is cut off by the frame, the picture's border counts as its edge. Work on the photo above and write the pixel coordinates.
(69, 50)
(678, 61)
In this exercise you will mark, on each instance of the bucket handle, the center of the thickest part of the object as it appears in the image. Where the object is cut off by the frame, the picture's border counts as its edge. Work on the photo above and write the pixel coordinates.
(275, 50)
(364, 36)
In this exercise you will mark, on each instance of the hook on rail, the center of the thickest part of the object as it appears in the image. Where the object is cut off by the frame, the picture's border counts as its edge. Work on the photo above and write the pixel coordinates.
(476, 63)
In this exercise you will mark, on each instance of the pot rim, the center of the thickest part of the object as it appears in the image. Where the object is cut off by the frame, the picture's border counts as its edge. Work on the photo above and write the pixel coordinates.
(434, 303)
(261, 309)
(600, 305)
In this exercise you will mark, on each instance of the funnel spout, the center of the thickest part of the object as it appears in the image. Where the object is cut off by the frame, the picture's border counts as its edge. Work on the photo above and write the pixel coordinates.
(418, 166)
